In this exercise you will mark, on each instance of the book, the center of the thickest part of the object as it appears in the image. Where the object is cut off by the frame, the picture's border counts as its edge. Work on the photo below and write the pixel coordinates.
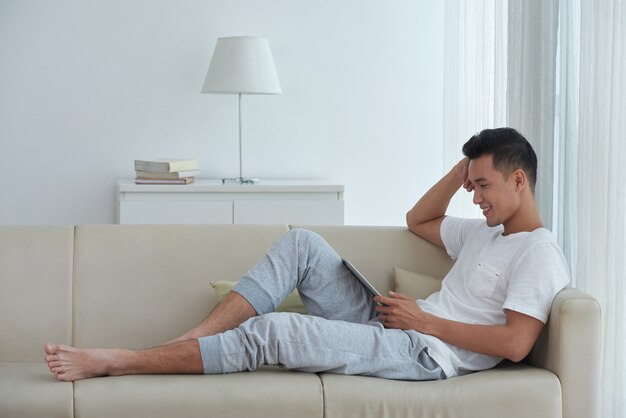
(184, 180)
(174, 175)
(166, 165)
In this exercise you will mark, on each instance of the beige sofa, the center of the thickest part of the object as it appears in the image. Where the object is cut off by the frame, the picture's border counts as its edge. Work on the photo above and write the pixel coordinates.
(138, 286)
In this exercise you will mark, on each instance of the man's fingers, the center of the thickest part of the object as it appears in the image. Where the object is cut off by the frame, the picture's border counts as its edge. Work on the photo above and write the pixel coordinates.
(383, 308)
(387, 303)
(383, 300)
(396, 295)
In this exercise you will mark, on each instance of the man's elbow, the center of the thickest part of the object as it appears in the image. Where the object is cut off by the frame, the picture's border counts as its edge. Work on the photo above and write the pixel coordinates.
(517, 351)
(418, 229)
(409, 222)
(523, 332)
(516, 356)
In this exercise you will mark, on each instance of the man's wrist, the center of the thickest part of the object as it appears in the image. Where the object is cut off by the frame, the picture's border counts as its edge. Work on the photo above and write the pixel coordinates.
(428, 324)
(453, 179)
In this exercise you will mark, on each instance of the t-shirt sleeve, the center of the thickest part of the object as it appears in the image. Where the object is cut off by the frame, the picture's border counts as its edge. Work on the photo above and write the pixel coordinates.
(455, 232)
(537, 276)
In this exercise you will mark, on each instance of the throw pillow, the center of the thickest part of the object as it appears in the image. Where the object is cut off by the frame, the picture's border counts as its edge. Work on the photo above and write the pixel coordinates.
(292, 303)
(416, 285)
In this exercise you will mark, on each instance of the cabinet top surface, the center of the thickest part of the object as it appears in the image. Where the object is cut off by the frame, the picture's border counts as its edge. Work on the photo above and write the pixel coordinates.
(209, 185)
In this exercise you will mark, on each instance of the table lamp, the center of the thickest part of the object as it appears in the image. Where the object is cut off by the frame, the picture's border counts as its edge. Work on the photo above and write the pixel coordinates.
(242, 65)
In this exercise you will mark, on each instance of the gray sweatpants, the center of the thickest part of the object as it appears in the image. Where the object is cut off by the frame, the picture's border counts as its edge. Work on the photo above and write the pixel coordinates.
(341, 333)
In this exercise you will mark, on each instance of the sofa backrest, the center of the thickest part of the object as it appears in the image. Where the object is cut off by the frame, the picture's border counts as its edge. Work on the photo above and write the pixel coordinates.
(35, 289)
(141, 285)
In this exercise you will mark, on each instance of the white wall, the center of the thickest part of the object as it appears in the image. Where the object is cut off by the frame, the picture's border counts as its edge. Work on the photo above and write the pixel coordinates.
(88, 86)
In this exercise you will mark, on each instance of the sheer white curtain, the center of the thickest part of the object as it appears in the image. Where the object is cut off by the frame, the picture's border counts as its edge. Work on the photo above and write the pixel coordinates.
(592, 157)
(566, 130)
(532, 40)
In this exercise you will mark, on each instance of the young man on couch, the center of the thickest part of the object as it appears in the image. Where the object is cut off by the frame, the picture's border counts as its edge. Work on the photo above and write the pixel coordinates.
(492, 305)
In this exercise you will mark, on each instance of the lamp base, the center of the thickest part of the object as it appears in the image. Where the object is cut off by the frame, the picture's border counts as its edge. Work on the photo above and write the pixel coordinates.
(240, 180)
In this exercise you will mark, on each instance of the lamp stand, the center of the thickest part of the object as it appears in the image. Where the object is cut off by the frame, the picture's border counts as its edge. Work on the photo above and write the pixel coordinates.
(240, 179)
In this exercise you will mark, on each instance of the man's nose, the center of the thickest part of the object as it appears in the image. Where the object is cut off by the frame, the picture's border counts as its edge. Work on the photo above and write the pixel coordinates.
(477, 197)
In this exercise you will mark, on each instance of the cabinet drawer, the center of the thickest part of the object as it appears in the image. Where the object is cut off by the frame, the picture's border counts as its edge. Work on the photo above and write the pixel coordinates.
(176, 212)
(304, 212)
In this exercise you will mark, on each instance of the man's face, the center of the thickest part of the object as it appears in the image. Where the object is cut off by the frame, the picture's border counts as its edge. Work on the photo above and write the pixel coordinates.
(495, 195)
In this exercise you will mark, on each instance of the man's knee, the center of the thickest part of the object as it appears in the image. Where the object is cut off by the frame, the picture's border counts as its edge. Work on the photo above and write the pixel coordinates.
(304, 237)
(299, 234)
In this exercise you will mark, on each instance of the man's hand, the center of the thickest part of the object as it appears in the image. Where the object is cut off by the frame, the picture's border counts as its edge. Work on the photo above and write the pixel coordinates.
(461, 172)
(401, 312)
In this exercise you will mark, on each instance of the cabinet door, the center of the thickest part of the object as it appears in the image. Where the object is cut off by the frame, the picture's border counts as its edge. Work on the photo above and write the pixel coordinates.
(304, 212)
(176, 212)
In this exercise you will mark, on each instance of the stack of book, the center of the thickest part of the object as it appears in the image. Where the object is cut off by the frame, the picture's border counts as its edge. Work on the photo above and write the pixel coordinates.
(166, 171)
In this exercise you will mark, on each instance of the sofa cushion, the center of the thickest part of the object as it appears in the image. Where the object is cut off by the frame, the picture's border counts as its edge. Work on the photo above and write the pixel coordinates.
(416, 285)
(30, 390)
(522, 391)
(268, 392)
(292, 302)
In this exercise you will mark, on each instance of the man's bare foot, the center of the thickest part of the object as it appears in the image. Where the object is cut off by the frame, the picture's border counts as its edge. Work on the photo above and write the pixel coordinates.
(69, 364)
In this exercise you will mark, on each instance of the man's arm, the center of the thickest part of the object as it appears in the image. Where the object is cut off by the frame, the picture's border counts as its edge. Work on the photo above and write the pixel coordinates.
(512, 341)
(425, 218)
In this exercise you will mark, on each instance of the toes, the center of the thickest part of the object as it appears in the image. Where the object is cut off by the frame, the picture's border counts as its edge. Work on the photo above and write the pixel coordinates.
(52, 364)
(51, 358)
(51, 348)
(63, 376)
(57, 370)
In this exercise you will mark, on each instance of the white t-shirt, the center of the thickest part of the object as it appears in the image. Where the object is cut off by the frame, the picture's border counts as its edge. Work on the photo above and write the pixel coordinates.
(521, 272)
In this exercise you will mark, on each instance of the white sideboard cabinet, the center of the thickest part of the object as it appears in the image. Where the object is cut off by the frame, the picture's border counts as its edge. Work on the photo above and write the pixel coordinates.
(211, 202)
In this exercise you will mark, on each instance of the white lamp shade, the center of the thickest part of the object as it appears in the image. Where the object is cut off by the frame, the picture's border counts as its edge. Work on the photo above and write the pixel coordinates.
(242, 64)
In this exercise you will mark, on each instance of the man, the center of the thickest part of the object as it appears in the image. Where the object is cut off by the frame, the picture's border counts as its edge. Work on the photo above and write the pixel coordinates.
(492, 305)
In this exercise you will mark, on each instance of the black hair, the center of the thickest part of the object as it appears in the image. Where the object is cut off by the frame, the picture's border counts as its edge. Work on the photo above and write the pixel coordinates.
(510, 151)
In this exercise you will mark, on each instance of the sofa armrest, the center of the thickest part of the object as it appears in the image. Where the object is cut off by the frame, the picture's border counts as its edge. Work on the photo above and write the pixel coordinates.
(570, 346)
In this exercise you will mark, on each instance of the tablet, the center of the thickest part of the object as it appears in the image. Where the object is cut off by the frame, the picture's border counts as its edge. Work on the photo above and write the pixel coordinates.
(368, 286)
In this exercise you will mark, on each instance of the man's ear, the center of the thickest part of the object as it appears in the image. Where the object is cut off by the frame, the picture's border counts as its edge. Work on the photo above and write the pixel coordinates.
(519, 176)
